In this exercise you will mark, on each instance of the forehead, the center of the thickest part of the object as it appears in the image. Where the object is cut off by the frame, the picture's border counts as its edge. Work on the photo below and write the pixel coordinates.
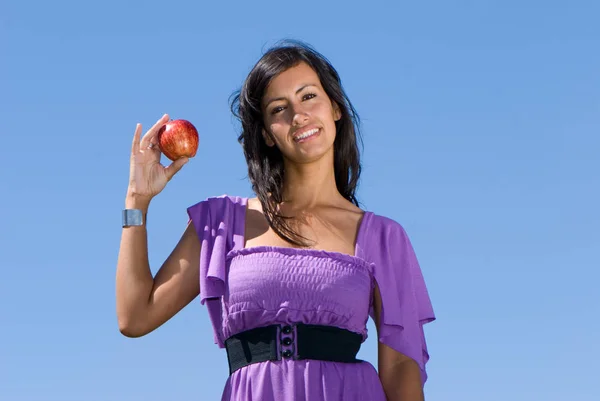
(292, 79)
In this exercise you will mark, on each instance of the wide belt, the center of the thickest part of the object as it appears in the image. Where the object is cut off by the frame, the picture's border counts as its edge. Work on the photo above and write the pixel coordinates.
(294, 341)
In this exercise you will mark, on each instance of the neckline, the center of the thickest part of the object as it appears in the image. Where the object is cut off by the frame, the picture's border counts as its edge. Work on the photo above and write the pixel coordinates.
(284, 249)
(301, 252)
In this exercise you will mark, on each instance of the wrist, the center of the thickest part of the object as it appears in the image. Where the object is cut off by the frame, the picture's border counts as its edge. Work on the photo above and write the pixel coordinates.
(137, 202)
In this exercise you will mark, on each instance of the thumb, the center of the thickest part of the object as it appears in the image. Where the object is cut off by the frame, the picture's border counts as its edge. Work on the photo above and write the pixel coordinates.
(174, 167)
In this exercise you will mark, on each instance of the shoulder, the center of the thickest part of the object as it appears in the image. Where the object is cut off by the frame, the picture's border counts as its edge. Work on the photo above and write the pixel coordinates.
(217, 208)
(378, 227)
(254, 204)
(219, 217)
(217, 204)
(384, 239)
(224, 199)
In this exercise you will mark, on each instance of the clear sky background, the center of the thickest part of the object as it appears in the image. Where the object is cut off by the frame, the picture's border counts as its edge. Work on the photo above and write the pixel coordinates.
(481, 128)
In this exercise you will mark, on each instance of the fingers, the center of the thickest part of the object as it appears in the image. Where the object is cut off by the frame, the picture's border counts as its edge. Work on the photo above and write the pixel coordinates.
(150, 136)
(174, 167)
(135, 146)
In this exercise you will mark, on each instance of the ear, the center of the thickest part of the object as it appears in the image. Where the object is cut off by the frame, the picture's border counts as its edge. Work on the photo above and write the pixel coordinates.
(267, 138)
(337, 112)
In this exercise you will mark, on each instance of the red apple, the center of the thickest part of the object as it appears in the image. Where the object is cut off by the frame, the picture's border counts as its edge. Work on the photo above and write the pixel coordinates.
(178, 138)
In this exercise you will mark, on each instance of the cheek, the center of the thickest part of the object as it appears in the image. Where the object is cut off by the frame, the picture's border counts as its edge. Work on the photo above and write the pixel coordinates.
(323, 109)
(278, 130)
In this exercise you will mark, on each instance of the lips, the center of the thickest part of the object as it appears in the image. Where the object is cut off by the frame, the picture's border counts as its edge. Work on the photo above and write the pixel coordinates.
(306, 133)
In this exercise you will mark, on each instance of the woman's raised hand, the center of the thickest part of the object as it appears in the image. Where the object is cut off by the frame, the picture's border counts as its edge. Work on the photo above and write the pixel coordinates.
(147, 176)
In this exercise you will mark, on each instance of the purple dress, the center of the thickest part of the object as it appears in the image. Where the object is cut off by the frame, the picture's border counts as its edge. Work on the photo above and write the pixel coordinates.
(245, 288)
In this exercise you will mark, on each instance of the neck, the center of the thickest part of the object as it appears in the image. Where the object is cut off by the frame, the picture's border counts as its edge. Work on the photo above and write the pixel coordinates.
(311, 184)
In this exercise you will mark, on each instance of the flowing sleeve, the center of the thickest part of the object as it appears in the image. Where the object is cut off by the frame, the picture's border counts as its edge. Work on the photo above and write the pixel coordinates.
(406, 306)
(219, 232)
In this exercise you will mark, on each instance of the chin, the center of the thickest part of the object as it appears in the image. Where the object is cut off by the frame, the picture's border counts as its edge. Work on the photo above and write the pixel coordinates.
(310, 151)
(305, 156)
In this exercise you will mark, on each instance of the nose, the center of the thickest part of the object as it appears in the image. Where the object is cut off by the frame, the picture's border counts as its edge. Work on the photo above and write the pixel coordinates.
(300, 117)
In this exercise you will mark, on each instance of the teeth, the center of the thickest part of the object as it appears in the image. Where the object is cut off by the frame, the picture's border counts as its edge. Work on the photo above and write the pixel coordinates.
(307, 134)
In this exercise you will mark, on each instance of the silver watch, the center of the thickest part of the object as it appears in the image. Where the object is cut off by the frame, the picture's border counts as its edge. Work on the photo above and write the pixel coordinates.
(133, 217)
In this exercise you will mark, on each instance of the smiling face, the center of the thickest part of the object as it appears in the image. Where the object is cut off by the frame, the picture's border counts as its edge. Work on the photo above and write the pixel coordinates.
(298, 115)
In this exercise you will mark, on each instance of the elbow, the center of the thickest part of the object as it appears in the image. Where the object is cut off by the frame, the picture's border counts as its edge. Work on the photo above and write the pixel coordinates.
(128, 332)
(130, 329)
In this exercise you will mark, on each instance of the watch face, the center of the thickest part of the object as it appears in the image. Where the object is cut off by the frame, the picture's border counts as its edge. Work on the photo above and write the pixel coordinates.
(132, 217)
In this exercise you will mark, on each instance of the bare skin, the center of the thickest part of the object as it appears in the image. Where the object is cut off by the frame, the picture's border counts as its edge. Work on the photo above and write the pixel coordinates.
(144, 302)
(294, 102)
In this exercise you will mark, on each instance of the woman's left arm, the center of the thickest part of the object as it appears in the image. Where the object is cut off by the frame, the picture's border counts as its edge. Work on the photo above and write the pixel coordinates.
(399, 374)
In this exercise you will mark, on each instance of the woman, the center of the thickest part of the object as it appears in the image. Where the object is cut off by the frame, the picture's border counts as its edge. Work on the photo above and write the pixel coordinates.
(291, 276)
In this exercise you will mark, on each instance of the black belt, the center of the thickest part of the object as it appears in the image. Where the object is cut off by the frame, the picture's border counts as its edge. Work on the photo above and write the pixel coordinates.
(298, 341)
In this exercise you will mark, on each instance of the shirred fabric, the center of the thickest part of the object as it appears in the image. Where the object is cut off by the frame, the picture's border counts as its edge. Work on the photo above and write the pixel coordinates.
(244, 288)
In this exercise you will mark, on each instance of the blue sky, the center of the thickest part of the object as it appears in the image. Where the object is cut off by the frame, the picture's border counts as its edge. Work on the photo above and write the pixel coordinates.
(481, 128)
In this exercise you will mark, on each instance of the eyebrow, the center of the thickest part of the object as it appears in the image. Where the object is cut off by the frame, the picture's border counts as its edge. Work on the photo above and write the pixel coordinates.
(282, 98)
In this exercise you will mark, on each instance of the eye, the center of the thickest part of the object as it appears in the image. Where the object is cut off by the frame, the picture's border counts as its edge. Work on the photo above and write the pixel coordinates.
(277, 109)
(308, 96)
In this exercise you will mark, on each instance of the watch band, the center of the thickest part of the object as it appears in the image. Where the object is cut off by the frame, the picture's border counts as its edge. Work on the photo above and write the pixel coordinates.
(133, 217)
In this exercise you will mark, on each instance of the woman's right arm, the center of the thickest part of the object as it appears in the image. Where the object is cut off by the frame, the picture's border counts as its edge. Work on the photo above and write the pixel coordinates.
(145, 302)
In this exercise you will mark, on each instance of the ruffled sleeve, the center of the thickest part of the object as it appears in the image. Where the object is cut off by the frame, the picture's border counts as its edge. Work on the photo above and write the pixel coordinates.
(406, 305)
(219, 223)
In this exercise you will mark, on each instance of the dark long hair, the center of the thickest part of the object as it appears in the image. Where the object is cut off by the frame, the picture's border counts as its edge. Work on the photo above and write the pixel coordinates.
(265, 164)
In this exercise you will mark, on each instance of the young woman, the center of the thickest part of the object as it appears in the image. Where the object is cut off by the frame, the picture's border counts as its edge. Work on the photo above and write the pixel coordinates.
(289, 277)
